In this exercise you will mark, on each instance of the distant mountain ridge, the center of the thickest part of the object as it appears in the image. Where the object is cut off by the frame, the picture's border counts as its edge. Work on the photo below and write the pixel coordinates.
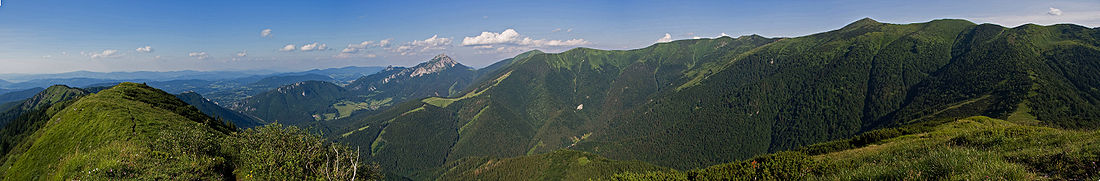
(207, 107)
(305, 102)
(19, 95)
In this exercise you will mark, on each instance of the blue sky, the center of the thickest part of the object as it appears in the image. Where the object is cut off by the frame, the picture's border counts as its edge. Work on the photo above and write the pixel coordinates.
(49, 36)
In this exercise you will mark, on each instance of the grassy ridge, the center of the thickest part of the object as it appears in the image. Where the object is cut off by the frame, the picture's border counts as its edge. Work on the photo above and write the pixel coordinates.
(133, 131)
(975, 148)
(27, 117)
(103, 130)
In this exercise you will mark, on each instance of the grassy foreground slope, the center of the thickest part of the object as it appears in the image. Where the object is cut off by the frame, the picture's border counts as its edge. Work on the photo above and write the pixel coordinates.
(133, 131)
(975, 148)
(557, 165)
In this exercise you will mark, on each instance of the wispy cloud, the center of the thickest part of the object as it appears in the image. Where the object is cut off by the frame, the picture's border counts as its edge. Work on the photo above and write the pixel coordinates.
(265, 33)
(145, 49)
(109, 53)
(354, 55)
(353, 48)
(1054, 12)
(313, 47)
(199, 55)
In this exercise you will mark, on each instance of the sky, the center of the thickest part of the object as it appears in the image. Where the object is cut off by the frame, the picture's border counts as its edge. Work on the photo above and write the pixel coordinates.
(52, 36)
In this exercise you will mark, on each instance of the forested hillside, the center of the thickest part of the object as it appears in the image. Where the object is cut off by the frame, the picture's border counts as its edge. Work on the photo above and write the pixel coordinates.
(693, 103)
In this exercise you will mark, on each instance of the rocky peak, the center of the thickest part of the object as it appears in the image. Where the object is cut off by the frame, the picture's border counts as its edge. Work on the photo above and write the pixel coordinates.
(439, 63)
(443, 59)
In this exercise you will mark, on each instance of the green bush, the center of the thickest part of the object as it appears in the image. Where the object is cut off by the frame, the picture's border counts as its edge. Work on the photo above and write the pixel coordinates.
(275, 152)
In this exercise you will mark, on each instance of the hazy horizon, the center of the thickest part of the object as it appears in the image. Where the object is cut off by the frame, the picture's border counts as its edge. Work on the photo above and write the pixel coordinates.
(128, 36)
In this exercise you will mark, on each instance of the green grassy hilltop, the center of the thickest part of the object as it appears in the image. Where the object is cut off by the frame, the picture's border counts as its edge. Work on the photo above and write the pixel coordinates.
(133, 131)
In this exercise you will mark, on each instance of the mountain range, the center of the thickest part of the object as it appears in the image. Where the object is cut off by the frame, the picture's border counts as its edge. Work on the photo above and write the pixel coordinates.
(693, 103)
(945, 99)
(305, 102)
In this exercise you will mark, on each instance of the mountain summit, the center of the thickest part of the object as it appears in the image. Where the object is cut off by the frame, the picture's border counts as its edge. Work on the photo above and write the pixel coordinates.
(439, 63)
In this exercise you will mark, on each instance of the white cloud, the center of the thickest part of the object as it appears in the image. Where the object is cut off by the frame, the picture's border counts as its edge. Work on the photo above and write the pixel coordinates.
(555, 30)
(352, 48)
(1054, 12)
(109, 53)
(287, 48)
(511, 37)
(145, 49)
(433, 43)
(312, 47)
(1084, 18)
(384, 43)
(488, 38)
(265, 33)
(361, 45)
(242, 53)
(349, 50)
(200, 55)
(666, 38)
